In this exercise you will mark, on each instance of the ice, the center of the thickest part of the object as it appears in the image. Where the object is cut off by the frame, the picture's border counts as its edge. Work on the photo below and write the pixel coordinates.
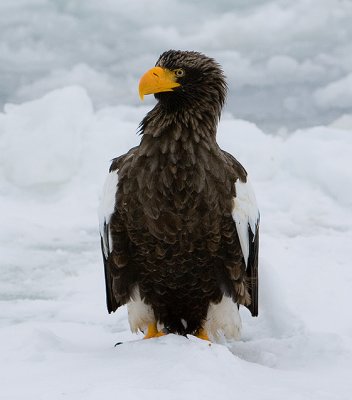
(45, 151)
(56, 338)
(336, 94)
(344, 122)
(288, 63)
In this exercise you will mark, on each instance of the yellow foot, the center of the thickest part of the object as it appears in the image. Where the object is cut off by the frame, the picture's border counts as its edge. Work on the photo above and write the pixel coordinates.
(202, 334)
(153, 331)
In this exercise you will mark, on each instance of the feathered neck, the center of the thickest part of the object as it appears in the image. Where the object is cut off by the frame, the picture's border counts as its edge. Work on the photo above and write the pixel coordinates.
(194, 123)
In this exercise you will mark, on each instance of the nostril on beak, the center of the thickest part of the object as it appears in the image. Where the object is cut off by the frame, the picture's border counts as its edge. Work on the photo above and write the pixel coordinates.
(155, 74)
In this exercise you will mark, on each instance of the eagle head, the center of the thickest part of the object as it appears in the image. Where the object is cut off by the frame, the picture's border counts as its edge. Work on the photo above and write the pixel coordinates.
(185, 81)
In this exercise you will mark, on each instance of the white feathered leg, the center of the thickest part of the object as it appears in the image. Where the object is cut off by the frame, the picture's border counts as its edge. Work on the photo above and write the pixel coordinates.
(223, 319)
(140, 315)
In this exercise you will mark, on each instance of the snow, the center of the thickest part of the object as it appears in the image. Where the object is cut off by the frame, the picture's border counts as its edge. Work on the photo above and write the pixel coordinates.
(288, 63)
(68, 112)
(336, 94)
(56, 338)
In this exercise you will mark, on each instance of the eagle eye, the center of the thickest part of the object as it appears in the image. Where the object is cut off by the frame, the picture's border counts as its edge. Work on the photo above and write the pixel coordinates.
(179, 72)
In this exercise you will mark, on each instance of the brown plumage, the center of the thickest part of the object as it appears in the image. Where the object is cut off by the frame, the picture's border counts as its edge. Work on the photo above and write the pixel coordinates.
(171, 232)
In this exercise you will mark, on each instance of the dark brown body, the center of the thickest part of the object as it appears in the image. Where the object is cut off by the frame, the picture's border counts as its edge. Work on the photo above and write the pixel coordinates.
(174, 233)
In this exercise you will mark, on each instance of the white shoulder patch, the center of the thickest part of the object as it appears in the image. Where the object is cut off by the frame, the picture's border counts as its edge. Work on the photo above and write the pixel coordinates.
(106, 208)
(245, 213)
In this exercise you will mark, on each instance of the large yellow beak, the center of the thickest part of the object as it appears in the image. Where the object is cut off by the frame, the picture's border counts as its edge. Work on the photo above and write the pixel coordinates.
(157, 80)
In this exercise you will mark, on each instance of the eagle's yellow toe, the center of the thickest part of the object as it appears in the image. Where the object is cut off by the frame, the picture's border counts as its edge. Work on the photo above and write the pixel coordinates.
(202, 334)
(153, 332)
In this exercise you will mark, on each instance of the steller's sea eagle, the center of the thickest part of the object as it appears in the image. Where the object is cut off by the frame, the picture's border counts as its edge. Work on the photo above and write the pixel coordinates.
(178, 217)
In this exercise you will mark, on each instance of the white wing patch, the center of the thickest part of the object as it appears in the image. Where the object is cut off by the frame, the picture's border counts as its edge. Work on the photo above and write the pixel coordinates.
(106, 208)
(245, 213)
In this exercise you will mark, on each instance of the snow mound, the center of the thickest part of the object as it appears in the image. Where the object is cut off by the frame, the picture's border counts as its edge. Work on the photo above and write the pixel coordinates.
(42, 139)
(336, 94)
(344, 122)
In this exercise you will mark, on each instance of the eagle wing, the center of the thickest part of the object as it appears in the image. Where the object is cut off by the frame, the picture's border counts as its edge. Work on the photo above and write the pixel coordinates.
(118, 280)
(245, 213)
(246, 216)
(106, 210)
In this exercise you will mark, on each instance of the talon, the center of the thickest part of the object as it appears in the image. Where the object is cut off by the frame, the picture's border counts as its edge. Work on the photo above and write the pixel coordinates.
(152, 331)
(202, 334)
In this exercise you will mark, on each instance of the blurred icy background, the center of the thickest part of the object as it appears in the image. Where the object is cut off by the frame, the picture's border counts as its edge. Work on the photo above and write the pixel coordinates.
(288, 62)
(69, 72)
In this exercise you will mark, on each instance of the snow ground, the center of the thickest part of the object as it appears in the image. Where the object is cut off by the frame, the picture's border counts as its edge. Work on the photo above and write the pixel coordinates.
(56, 338)
(288, 63)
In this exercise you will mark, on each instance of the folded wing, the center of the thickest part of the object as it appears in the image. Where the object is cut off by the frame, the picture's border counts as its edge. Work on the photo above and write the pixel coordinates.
(246, 216)
(106, 209)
